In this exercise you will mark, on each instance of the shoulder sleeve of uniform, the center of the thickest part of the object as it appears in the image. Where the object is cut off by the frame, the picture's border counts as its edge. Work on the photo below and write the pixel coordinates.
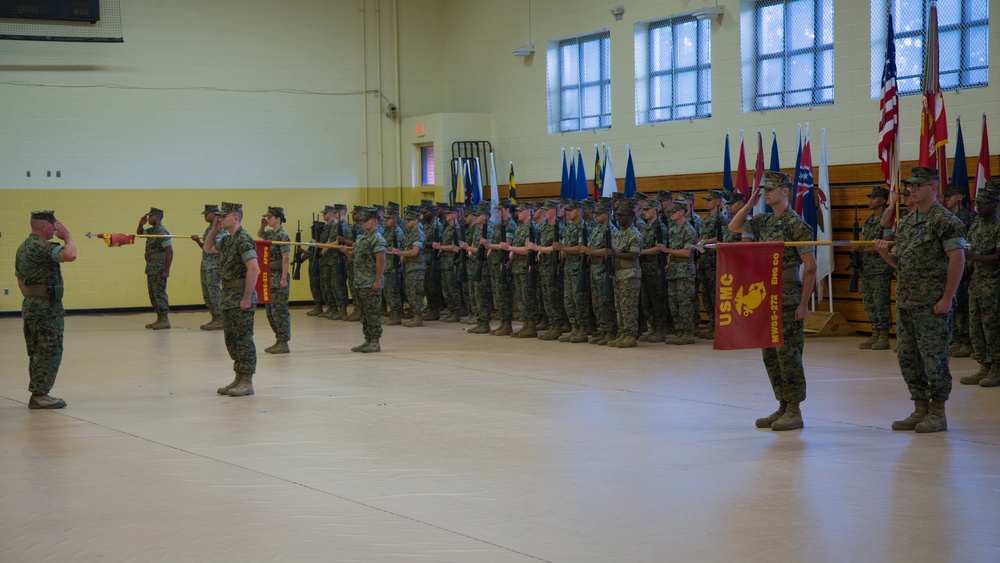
(246, 247)
(56, 249)
(378, 245)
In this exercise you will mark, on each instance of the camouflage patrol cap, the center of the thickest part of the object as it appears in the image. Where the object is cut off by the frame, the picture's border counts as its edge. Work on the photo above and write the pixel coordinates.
(340, 207)
(627, 207)
(676, 206)
(641, 196)
(989, 194)
(329, 209)
(367, 214)
(522, 206)
(426, 203)
(713, 195)
(210, 208)
(602, 206)
(274, 212)
(392, 206)
(922, 175)
(687, 196)
(664, 195)
(358, 209)
(879, 191)
(952, 189)
(551, 204)
(155, 211)
(573, 205)
(482, 209)
(48, 215)
(736, 196)
(774, 180)
(504, 204)
(651, 204)
(411, 214)
(617, 195)
(226, 208)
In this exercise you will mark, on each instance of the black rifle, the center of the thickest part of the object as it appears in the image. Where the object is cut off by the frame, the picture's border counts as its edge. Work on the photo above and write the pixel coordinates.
(477, 274)
(532, 255)
(608, 286)
(583, 283)
(662, 236)
(316, 231)
(504, 254)
(459, 236)
(855, 266)
(433, 260)
(554, 256)
(299, 253)
(397, 264)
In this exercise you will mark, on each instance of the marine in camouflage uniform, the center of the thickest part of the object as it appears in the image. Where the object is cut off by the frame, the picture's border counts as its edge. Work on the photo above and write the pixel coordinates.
(784, 364)
(876, 274)
(550, 276)
(369, 266)
(984, 309)
(412, 255)
(501, 276)
(327, 259)
(433, 230)
(469, 297)
(211, 288)
(713, 230)
(680, 275)
(279, 281)
(735, 203)
(603, 302)
(481, 291)
(348, 240)
(576, 296)
(526, 297)
(392, 291)
(37, 267)
(929, 257)
(448, 264)
(625, 247)
(961, 340)
(159, 256)
(653, 295)
(240, 269)
(341, 297)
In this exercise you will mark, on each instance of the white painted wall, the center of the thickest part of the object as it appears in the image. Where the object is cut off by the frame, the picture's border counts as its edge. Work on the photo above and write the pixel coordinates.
(203, 98)
(483, 77)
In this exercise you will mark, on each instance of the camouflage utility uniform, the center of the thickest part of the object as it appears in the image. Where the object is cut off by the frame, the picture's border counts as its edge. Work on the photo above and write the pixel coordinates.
(876, 279)
(155, 265)
(211, 289)
(277, 310)
(627, 280)
(37, 265)
(414, 268)
(984, 287)
(680, 279)
(234, 251)
(368, 301)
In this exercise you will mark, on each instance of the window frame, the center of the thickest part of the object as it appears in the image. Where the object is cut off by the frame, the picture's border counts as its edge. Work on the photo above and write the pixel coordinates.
(646, 113)
(559, 121)
(817, 50)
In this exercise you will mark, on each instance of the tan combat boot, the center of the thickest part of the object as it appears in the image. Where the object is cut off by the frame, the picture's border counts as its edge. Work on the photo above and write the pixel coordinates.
(607, 338)
(394, 319)
(920, 407)
(596, 338)
(225, 390)
(974, 379)
(355, 315)
(935, 420)
(882, 342)
(993, 378)
(416, 321)
(372, 347)
(613, 342)
(658, 335)
(529, 330)
(360, 346)
(768, 420)
(867, 344)
(566, 337)
(503, 330)
(552, 334)
(790, 420)
(581, 335)
(281, 347)
(316, 310)
(214, 324)
(272, 346)
(627, 341)
(243, 387)
(161, 322)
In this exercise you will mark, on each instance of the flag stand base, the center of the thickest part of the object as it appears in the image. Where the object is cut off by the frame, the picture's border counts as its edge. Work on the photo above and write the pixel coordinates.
(820, 323)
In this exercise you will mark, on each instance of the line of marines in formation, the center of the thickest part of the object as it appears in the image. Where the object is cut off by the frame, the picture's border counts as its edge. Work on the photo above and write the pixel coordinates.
(580, 271)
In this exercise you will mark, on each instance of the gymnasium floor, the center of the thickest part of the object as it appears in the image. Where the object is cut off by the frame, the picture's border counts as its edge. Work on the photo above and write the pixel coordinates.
(466, 448)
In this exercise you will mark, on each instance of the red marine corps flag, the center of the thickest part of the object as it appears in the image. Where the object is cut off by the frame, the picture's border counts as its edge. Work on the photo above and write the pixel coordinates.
(264, 266)
(748, 295)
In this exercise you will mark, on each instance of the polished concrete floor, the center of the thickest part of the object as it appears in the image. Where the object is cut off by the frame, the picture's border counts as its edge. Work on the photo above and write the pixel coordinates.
(456, 447)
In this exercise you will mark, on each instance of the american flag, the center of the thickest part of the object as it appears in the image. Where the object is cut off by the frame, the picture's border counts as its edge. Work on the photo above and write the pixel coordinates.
(888, 126)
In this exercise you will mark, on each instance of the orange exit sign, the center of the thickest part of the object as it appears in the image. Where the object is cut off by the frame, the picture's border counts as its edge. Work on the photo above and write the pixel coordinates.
(420, 129)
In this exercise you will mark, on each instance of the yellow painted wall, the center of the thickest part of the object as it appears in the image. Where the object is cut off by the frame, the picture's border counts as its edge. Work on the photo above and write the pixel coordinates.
(108, 278)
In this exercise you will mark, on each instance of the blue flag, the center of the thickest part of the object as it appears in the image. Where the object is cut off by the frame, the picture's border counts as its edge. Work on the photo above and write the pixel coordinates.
(960, 172)
(629, 177)
(565, 189)
(727, 173)
(581, 178)
(775, 167)
(571, 188)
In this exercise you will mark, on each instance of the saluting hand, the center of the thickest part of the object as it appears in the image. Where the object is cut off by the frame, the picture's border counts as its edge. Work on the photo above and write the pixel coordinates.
(61, 231)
